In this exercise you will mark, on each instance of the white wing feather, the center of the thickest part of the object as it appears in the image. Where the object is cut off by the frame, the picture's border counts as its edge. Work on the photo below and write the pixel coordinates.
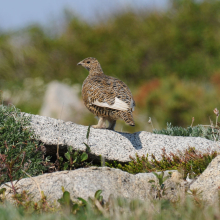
(118, 105)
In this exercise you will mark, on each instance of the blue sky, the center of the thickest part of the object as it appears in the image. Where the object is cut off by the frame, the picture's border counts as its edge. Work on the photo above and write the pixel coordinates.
(15, 14)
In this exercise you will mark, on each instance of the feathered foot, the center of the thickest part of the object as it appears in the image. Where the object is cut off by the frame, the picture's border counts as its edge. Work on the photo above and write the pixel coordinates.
(111, 124)
(101, 124)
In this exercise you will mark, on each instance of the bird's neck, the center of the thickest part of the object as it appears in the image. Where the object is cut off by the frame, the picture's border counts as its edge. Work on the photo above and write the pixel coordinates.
(96, 71)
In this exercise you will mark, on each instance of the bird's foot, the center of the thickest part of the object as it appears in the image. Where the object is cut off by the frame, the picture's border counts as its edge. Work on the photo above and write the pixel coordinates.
(98, 126)
(111, 124)
(101, 124)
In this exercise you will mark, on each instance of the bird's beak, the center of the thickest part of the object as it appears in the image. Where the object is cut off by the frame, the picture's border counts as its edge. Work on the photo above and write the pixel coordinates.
(79, 63)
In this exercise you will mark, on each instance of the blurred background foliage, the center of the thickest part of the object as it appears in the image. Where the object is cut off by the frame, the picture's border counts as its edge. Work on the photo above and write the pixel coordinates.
(170, 59)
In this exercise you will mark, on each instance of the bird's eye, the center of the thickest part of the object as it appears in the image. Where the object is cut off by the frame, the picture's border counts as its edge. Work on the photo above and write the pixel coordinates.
(88, 61)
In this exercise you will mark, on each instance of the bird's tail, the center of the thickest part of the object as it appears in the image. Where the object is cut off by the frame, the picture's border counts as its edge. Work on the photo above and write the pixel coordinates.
(127, 117)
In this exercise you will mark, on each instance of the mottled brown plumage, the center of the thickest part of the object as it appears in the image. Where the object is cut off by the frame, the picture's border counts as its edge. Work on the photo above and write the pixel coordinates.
(106, 97)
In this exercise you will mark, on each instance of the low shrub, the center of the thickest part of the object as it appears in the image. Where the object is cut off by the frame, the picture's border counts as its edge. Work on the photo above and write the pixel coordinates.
(190, 162)
(19, 151)
(197, 131)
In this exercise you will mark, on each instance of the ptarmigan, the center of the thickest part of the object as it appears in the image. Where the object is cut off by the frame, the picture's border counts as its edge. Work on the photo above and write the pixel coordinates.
(106, 97)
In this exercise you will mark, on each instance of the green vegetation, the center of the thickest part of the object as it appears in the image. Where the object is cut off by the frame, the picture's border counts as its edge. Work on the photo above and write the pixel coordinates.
(197, 131)
(159, 185)
(21, 155)
(178, 101)
(183, 40)
(18, 149)
(188, 207)
(82, 205)
(74, 159)
(189, 162)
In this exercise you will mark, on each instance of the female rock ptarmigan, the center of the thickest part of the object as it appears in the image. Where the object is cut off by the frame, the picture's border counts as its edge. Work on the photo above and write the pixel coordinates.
(106, 97)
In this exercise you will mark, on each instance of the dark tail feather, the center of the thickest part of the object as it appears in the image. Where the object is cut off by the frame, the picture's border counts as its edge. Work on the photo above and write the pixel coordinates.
(127, 117)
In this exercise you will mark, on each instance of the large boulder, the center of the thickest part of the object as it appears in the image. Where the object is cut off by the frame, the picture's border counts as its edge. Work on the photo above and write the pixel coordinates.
(84, 183)
(111, 145)
(62, 101)
(208, 183)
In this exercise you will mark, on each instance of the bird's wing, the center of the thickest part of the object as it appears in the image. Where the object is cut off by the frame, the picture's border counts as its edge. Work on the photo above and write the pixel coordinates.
(106, 91)
(118, 104)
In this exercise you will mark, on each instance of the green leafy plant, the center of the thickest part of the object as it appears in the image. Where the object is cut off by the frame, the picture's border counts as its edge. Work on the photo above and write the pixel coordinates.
(66, 202)
(81, 205)
(159, 186)
(75, 159)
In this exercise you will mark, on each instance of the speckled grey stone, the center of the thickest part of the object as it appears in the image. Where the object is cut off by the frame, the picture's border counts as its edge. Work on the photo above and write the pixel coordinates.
(84, 183)
(112, 145)
(208, 182)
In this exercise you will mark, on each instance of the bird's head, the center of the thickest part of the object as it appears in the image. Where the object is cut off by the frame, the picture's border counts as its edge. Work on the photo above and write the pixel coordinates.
(91, 64)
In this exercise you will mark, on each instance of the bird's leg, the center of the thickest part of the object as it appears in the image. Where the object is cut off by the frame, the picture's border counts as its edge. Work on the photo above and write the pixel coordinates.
(101, 123)
(111, 124)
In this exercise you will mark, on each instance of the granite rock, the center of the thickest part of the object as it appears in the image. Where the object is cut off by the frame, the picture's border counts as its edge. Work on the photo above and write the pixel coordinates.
(84, 183)
(208, 183)
(112, 145)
